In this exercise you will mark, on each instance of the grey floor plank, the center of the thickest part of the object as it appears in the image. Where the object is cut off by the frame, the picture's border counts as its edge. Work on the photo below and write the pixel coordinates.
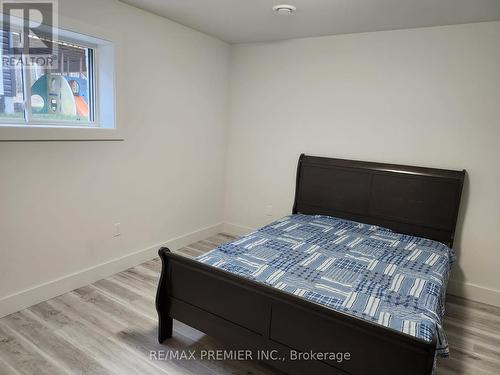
(142, 274)
(5, 368)
(109, 327)
(120, 334)
(202, 246)
(24, 357)
(92, 343)
(54, 346)
(192, 252)
(153, 265)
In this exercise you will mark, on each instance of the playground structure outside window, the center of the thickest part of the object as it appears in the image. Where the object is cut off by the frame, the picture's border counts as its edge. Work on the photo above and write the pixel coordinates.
(71, 99)
(62, 94)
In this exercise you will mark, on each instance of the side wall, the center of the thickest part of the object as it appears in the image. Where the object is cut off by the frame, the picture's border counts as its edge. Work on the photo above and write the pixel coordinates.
(164, 183)
(425, 97)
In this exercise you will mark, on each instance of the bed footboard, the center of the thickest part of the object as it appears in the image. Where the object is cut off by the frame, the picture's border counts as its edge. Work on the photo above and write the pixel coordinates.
(163, 301)
(280, 329)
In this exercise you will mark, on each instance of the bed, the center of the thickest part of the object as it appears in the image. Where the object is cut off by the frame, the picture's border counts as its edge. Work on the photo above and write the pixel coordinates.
(360, 267)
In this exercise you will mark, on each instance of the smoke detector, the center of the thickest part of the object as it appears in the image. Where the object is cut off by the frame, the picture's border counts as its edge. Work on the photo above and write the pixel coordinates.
(284, 9)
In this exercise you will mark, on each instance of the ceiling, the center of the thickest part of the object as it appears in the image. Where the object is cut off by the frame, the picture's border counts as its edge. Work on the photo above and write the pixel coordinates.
(242, 21)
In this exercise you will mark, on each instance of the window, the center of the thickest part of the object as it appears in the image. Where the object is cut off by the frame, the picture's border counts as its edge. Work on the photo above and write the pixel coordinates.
(73, 98)
(62, 94)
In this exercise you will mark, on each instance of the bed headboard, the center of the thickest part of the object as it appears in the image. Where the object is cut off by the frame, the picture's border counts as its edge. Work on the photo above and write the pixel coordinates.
(418, 201)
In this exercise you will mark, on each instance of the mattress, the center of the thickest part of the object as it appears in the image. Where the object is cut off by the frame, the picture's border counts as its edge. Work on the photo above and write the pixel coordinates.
(395, 280)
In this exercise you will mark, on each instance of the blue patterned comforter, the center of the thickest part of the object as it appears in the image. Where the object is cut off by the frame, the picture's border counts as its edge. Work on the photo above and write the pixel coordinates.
(395, 280)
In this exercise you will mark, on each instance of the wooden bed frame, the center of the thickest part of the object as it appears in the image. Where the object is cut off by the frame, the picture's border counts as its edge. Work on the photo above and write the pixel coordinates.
(247, 315)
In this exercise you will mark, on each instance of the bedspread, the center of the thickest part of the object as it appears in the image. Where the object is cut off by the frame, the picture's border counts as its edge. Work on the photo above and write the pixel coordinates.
(395, 280)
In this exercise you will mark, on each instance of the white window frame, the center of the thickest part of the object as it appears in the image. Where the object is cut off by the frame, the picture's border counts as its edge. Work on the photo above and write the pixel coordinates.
(104, 125)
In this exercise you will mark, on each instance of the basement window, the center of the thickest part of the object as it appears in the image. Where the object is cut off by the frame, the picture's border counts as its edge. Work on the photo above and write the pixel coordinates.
(37, 94)
(65, 95)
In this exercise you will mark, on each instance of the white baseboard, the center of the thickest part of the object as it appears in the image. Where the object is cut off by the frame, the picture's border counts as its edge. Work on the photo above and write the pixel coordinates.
(43, 292)
(474, 292)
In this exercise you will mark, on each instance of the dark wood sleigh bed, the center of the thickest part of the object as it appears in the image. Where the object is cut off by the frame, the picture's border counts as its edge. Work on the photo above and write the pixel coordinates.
(247, 315)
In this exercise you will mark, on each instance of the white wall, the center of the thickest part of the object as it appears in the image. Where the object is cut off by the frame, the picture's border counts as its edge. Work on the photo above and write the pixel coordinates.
(424, 97)
(59, 200)
(427, 97)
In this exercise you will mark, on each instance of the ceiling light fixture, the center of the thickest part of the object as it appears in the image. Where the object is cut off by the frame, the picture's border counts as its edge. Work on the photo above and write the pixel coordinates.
(284, 9)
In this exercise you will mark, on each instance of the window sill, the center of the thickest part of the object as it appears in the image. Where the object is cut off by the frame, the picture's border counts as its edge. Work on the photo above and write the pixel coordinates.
(58, 133)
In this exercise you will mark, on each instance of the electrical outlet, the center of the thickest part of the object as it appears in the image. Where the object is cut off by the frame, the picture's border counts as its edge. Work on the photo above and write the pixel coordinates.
(269, 210)
(117, 230)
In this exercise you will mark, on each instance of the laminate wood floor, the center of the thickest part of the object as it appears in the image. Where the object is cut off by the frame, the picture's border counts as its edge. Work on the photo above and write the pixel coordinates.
(109, 327)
